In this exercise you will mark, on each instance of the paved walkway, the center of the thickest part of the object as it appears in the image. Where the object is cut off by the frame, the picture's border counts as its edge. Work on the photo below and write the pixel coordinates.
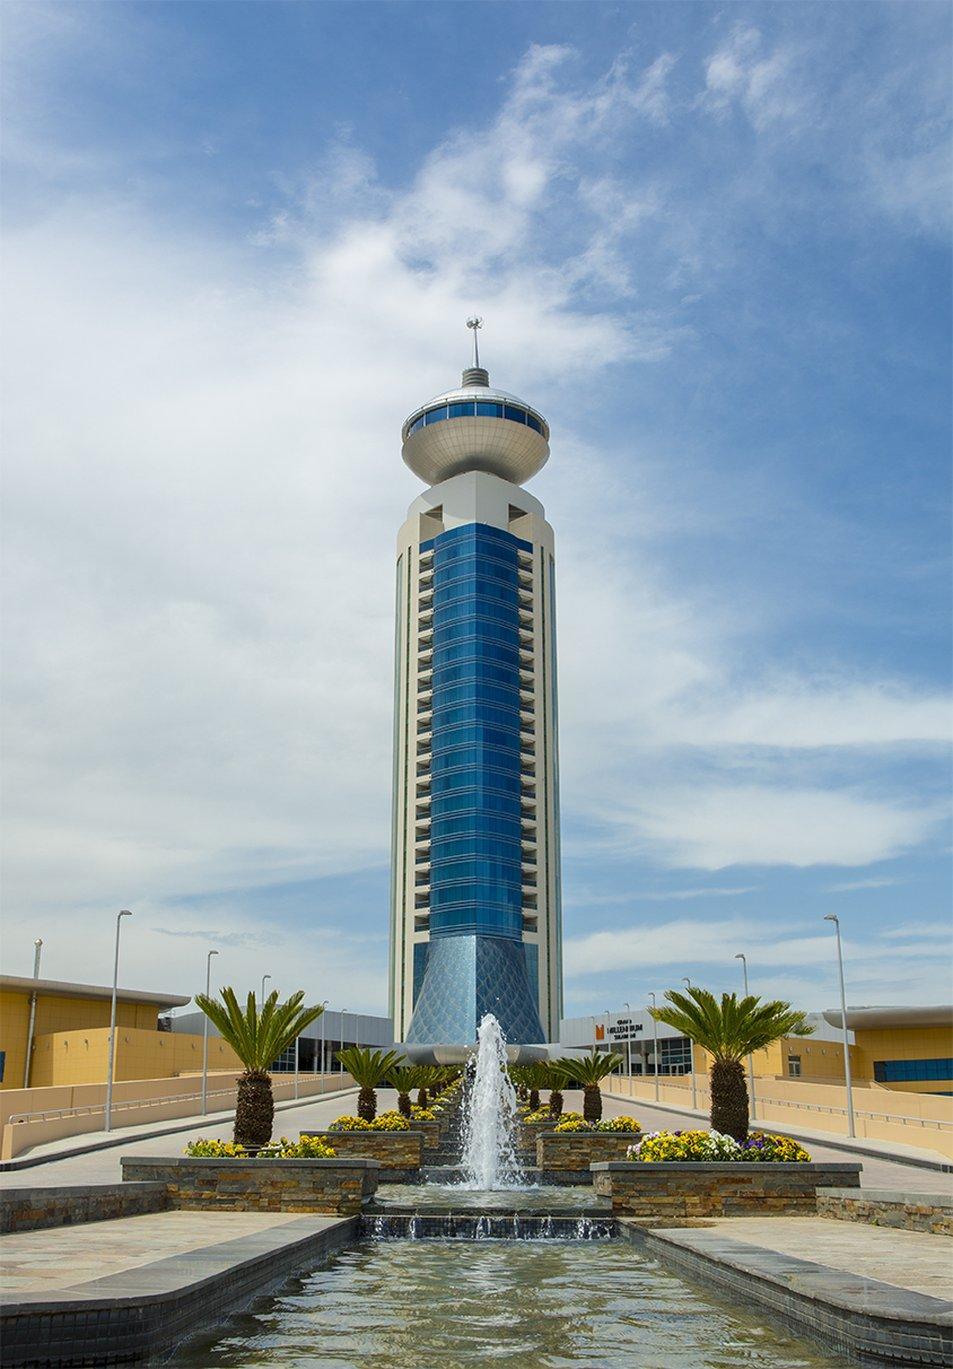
(906, 1259)
(66, 1256)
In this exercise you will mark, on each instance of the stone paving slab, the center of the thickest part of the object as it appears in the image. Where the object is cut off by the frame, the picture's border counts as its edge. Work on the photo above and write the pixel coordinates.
(914, 1260)
(72, 1256)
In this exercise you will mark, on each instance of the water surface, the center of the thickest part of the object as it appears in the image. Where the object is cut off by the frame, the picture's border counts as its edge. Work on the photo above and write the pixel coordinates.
(457, 1197)
(546, 1305)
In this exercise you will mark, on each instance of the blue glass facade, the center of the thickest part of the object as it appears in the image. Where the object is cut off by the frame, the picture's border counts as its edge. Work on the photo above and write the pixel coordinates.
(475, 788)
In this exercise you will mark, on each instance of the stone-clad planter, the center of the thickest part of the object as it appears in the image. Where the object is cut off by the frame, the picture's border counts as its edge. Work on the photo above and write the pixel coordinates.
(401, 1150)
(931, 1212)
(341, 1185)
(576, 1150)
(717, 1189)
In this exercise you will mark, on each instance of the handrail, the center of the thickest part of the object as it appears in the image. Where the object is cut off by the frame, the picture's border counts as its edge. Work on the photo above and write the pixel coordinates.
(765, 1100)
(88, 1109)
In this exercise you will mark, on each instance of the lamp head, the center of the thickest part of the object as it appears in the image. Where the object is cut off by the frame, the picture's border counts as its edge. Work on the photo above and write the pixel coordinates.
(124, 912)
(831, 917)
(213, 952)
(38, 941)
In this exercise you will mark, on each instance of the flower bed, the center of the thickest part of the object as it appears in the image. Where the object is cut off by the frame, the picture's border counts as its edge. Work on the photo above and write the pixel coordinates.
(306, 1148)
(706, 1146)
(575, 1122)
(387, 1121)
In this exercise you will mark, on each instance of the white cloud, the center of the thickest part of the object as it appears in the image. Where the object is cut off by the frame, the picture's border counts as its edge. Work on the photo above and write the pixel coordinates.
(795, 966)
(713, 827)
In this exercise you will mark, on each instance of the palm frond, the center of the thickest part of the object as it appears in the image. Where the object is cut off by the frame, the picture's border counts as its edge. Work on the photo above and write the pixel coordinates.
(732, 1028)
(258, 1038)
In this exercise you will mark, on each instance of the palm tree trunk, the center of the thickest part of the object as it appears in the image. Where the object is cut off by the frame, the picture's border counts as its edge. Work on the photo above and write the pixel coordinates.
(367, 1104)
(729, 1099)
(421, 1098)
(533, 1100)
(403, 1104)
(555, 1103)
(254, 1109)
(592, 1103)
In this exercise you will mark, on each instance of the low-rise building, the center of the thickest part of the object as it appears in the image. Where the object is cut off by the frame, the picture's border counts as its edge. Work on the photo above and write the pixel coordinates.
(68, 1039)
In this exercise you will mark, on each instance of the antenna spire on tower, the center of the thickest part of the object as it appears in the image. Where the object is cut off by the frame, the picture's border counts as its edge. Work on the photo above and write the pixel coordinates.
(475, 322)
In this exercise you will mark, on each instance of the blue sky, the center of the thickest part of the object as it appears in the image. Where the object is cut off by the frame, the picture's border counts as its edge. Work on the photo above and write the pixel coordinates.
(711, 243)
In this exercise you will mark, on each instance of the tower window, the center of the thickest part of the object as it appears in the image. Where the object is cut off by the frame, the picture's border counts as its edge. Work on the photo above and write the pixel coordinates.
(436, 415)
(514, 415)
(485, 410)
(461, 410)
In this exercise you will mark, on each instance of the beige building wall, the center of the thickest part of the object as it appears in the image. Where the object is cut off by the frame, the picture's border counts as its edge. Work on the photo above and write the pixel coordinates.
(475, 497)
(81, 1057)
(59, 1013)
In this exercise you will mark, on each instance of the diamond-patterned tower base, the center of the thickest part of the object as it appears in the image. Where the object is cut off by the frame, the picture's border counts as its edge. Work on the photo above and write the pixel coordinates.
(467, 977)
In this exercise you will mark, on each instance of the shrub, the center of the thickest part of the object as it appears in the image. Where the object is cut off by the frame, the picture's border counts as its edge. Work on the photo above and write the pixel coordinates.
(764, 1147)
(422, 1114)
(207, 1148)
(349, 1123)
(390, 1121)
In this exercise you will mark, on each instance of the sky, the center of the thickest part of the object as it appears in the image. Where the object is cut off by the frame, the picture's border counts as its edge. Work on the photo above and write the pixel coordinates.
(710, 243)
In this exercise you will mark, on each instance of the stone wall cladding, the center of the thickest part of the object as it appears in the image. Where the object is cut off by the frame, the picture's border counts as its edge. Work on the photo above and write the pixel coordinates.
(931, 1212)
(392, 1149)
(579, 1149)
(36, 1209)
(339, 1186)
(688, 1189)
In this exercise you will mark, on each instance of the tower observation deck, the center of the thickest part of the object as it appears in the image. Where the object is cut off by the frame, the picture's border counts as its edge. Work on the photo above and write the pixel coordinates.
(475, 917)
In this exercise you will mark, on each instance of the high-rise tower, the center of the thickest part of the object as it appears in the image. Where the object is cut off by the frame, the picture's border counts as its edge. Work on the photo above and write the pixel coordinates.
(475, 919)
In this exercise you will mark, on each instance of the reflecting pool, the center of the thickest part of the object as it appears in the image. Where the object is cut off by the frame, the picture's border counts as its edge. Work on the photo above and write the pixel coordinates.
(457, 1198)
(450, 1305)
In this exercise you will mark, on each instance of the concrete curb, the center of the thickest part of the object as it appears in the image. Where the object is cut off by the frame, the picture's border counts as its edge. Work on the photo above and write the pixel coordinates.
(116, 1138)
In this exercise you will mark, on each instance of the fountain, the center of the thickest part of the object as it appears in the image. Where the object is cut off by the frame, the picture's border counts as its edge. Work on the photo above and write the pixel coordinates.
(489, 1134)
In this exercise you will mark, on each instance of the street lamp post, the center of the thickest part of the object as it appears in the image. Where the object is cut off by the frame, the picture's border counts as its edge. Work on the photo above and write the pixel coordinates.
(832, 917)
(111, 1066)
(37, 947)
(655, 1046)
(744, 968)
(628, 1044)
(263, 978)
(208, 991)
(340, 1061)
(324, 1033)
(691, 1055)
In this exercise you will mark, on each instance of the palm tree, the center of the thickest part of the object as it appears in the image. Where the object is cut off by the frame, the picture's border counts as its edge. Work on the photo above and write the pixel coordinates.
(368, 1069)
(405, 1078)
(257, 1038)
(558, 1079)
(589, 1072)
(729, 1031)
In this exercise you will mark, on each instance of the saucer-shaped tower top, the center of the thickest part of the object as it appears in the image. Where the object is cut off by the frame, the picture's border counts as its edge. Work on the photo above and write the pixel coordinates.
(475, 428)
